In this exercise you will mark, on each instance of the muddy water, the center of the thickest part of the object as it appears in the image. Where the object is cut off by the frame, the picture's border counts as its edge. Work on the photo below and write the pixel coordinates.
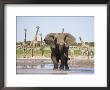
(46, 67)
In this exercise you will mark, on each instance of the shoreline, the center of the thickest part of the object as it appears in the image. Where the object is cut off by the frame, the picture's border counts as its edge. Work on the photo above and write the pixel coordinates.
(48, 58)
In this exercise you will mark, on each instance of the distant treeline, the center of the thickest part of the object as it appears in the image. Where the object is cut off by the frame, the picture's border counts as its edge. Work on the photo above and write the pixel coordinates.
(88, 43)
(39, 42)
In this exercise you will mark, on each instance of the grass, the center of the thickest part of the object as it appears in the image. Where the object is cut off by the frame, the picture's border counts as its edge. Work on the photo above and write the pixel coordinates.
(47, 52)
(37, 52)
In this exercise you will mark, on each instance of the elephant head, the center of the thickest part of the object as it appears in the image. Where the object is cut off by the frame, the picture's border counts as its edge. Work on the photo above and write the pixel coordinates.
(59, 38)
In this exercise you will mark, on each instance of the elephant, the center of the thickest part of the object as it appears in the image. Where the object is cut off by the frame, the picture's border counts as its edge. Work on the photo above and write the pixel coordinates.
(59, 44)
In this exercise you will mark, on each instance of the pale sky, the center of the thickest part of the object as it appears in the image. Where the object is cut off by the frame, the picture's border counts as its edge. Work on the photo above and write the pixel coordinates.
(75, 25)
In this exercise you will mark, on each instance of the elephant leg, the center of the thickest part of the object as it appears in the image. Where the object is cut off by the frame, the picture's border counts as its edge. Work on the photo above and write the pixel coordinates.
(55, 62)
(62, 63)
(66, 59)
(66, 65)
(57, 58)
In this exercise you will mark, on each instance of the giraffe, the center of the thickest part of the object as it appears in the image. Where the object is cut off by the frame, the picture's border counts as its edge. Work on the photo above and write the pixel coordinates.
(84, 47)
(34, 41)
(24, 44)
(33, 45)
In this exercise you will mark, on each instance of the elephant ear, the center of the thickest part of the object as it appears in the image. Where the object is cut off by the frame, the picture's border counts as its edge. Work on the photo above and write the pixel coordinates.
(69, 39)
(49, 39)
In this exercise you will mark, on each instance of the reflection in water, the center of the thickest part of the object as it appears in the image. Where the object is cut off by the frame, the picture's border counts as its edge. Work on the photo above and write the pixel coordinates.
(46, 66)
